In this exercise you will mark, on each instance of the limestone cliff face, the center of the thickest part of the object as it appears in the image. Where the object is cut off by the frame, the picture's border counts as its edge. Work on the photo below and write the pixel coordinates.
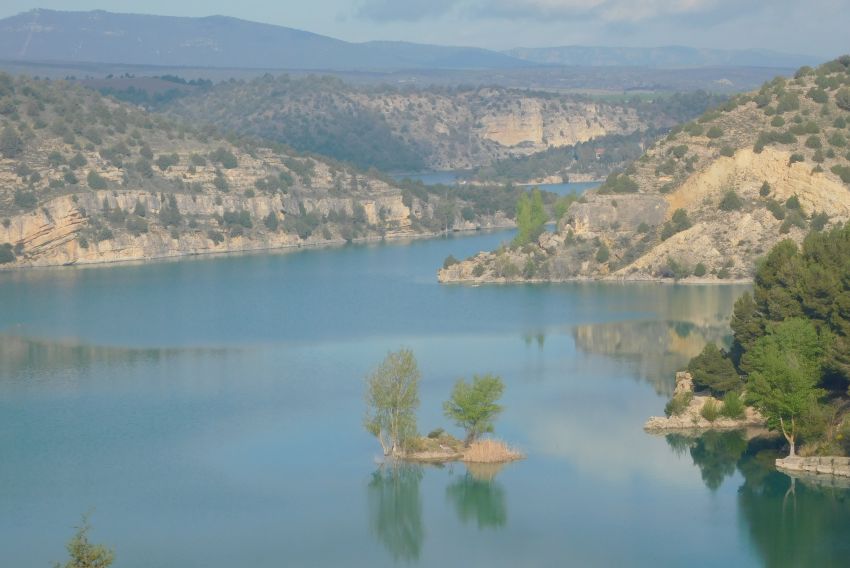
(706, 202)
(445, 129)
(535, 124)
(85, 179)
(51, 235)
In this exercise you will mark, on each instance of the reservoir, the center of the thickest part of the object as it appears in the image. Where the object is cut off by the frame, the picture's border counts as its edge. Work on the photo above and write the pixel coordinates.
(208, 412)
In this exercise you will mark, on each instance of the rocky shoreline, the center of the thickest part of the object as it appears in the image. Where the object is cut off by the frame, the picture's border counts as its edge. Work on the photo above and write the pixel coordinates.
(820, 466)
(691, 417)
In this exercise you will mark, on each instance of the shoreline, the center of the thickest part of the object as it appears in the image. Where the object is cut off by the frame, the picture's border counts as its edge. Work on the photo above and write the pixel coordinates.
(282, 249)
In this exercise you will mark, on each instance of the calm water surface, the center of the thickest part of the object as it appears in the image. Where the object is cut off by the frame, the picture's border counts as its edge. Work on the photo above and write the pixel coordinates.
(209, 413)
(451, 177)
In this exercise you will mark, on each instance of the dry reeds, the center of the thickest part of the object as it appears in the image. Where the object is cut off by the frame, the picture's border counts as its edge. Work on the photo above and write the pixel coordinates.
(490, 451)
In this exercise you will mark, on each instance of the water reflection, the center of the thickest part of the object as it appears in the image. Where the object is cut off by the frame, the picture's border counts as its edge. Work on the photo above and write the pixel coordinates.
(395, 509)
(480, 498)
(791, 522)
(715, 453)
(27, 355)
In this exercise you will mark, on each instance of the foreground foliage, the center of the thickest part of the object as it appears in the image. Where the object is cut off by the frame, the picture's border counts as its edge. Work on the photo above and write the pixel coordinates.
(792, 342)
(83, 553)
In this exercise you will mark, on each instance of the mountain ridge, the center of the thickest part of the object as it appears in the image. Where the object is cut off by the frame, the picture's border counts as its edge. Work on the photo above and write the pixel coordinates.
(215, 41)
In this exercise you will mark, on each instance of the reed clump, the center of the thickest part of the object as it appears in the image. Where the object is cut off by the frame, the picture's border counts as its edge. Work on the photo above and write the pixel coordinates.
(490, 451)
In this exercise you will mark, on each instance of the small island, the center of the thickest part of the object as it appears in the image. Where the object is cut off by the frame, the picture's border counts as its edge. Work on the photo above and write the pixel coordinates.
(392, 397)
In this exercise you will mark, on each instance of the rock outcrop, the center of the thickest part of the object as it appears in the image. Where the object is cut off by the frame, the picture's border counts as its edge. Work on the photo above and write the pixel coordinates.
(691, 417)
(817, 465)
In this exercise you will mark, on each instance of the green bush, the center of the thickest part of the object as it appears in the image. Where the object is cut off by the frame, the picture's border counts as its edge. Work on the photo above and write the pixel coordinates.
(95, 180)
(216, 237)
(792, 202)
(7, 254)
(693, 129)
(714, 132)
(710, 410)
(678, 404)
(603, 254)
(699, 270)
(842, 171)
(731, 201)
(796, 158)
(271, 221)
(838, 140)
(777, 121)
(733, 407)
(478, 270)
(450, 261)
(727, 151)
(819, 221)
(713, 370)
(619, 183)
(224, 157)
(776, 209)
(764, 191)
(814, 142)
(25, 199)
(818, 95)
(842, 98)
(787, 103)
(77, 162)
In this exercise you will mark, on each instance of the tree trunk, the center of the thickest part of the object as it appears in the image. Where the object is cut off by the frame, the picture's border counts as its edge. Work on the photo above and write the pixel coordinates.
(791, 438)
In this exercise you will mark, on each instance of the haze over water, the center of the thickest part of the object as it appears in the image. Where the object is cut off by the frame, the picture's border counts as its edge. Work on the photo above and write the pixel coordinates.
(209, 413)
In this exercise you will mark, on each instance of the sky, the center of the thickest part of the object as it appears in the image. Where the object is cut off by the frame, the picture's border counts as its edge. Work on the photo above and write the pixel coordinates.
(811, 27)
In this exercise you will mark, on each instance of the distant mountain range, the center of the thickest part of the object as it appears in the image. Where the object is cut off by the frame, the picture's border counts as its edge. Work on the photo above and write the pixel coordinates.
(216, 41)
(224, 42)
(669, 57)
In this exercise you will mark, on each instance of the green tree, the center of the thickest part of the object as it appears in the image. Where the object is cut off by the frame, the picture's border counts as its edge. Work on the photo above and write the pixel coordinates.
(7, 254)
(11, 145)
(842, 98)
(473, 406)
(95, 180)
(786, 369)
(530, 217)
(392, 397)
(83, 553)
(712, 369)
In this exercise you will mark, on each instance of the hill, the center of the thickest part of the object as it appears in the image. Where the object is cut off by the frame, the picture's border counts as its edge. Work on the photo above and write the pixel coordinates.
(215, 41)
(408, 129)
(668, 57)
(85, 179)
(709, 199)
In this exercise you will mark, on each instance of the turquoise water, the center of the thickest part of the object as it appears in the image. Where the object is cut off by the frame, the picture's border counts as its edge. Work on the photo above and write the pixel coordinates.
(209, 413)
(451, 177)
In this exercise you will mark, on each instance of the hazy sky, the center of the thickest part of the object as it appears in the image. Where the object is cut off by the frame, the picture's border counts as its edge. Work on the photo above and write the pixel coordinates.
(816, 27)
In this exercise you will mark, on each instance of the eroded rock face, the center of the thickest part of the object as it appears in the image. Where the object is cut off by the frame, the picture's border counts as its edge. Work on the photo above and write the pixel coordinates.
(604, 215)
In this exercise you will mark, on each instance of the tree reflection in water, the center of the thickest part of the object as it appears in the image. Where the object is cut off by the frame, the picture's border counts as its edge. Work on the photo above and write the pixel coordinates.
(477, 496)
(395, 509)
(791, 522)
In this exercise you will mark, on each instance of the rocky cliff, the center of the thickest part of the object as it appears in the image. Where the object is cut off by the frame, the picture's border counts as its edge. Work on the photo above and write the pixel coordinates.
(708, 200)
(86, 179)
(411, 129)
